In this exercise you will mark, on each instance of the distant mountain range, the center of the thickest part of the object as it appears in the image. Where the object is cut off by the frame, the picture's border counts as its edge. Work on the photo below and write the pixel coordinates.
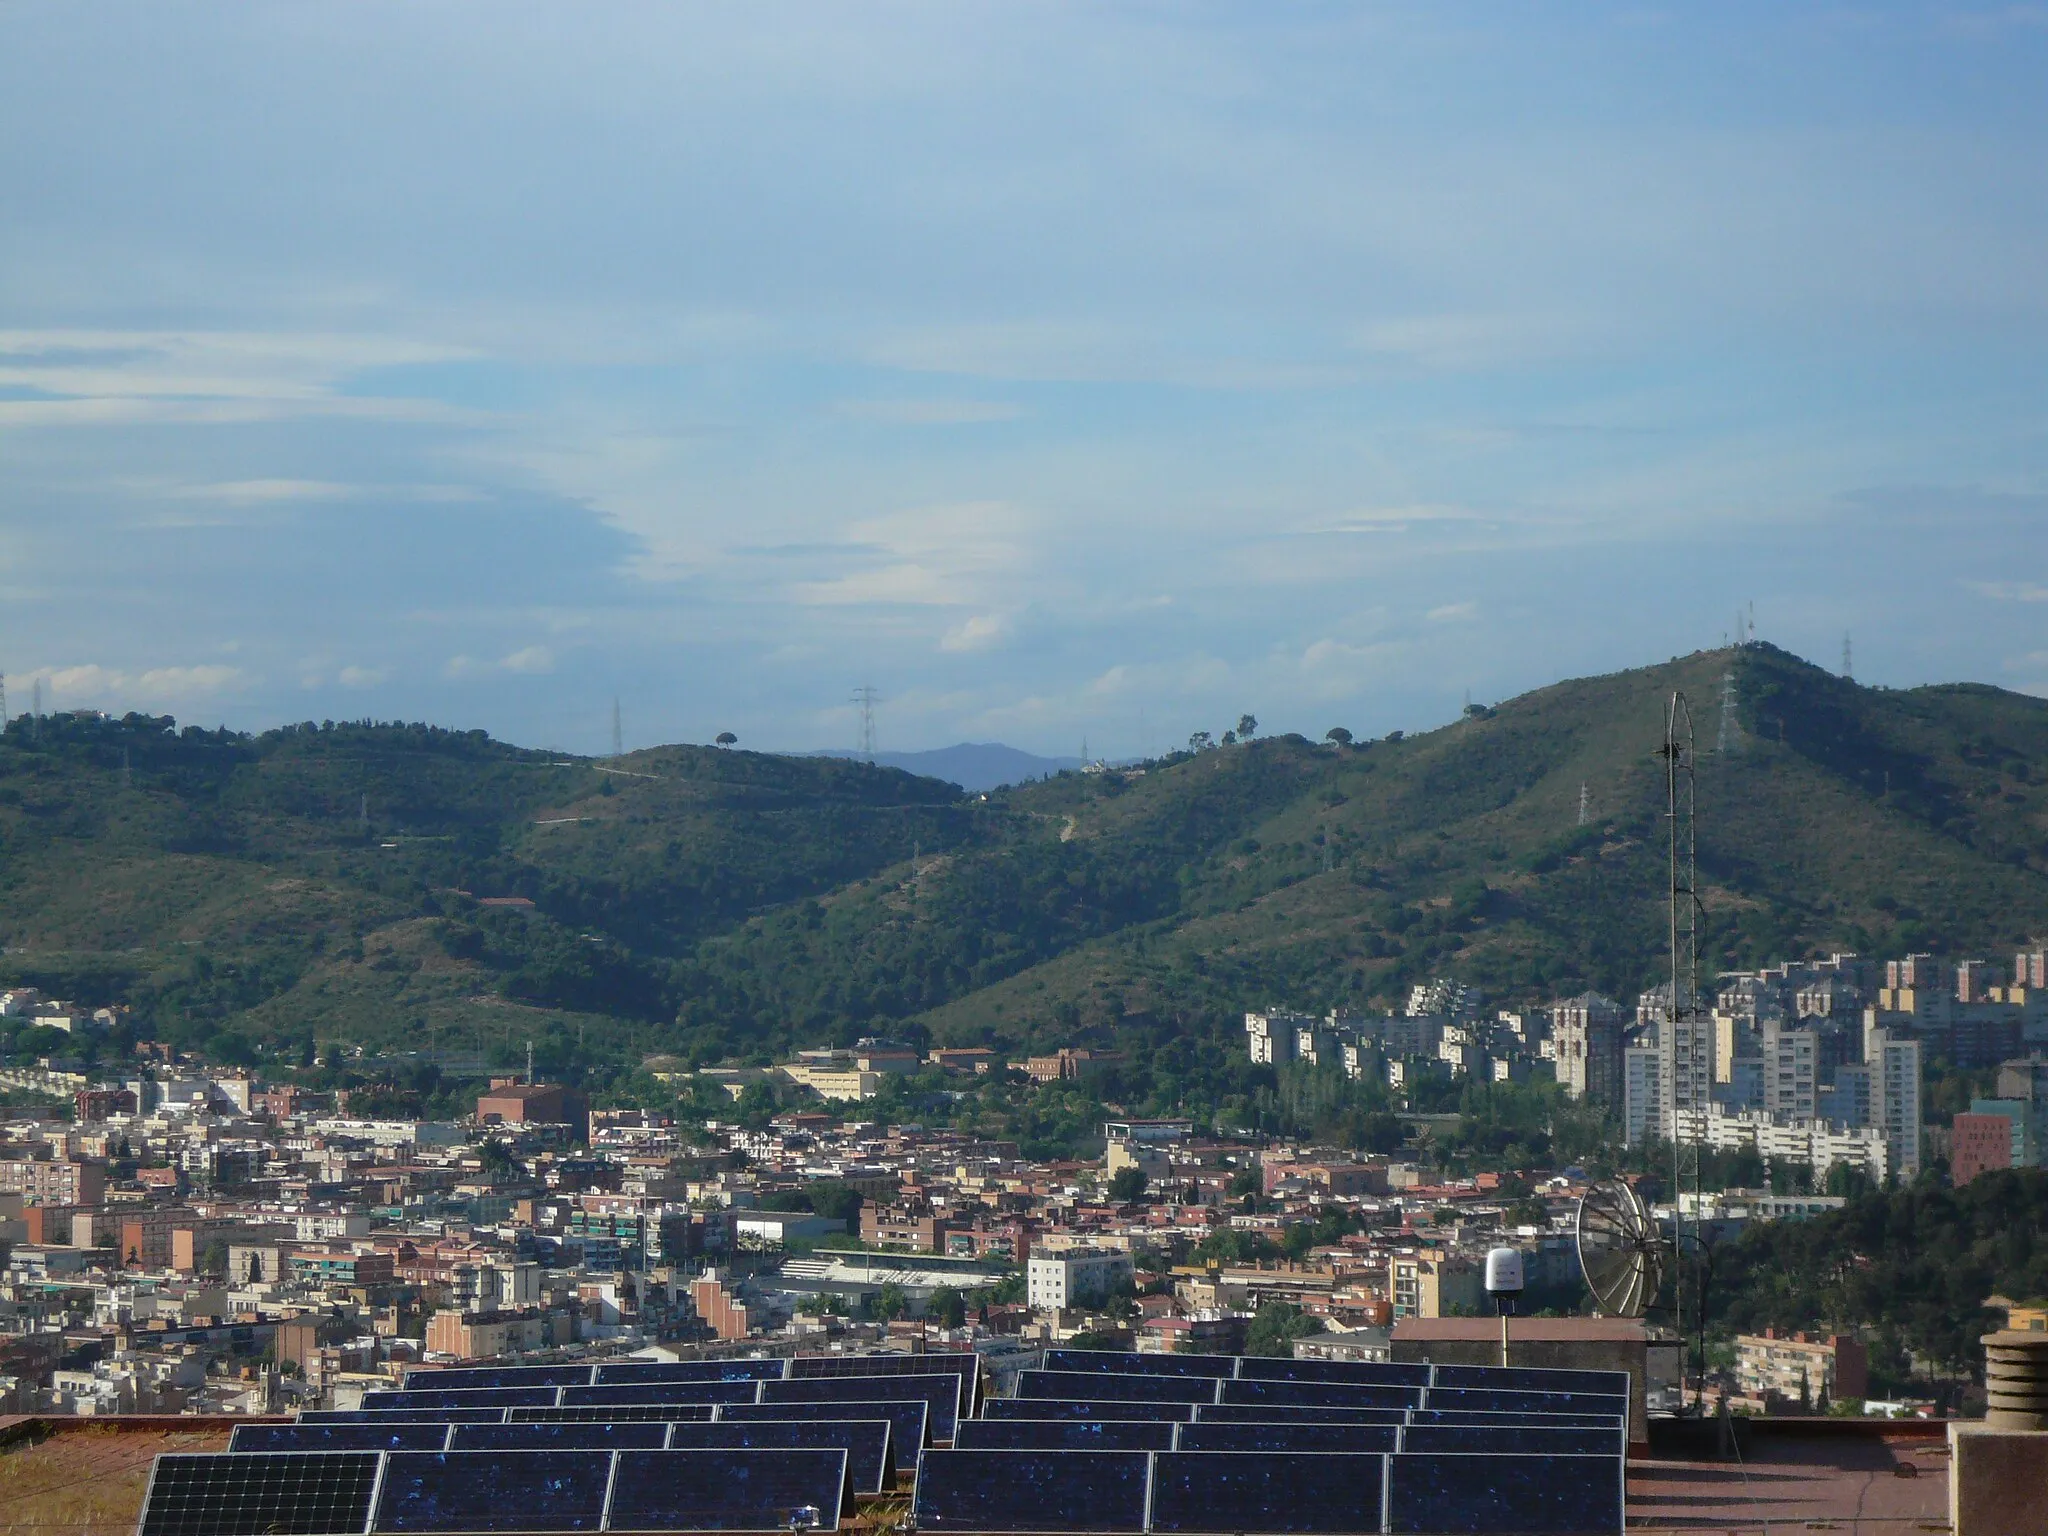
(973, 765)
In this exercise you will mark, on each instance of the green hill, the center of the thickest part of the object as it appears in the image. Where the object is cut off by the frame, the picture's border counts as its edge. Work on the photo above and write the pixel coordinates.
(332, 882)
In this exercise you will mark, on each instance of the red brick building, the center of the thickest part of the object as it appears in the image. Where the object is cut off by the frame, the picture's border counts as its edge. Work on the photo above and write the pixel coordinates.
(1978, 1144)
(511, 1102)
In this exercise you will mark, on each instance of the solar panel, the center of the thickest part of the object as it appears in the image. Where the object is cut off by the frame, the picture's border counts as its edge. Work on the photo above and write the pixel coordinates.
(1552, 1420)
(870, 1463)
(617, 1413)
(727, 1490)
(1031, 1491)
(1524, 1438)
(493, 1491)
(1063, 1435)
(942, 1393)
(1116, 1362)
(1286, 1439)
(962, 1363)
(405, 1415)
(1285, 1413)
(338, 1437)
(1328, 1494)
(662, 1392)
(471, 1376)
(1495, 1400)
(1321, 1394)
(1531, 1378)
(1364, 1373)
(1129, 1389)
(1527, 1495)
(909, 1418)
(1085, 1408)
(294, 1493)
(622, 1371)
(611, 1436)
(464, 1397)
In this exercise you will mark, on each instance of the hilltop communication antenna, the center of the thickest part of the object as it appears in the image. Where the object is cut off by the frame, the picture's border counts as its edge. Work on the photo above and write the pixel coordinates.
(618, 732)
(866, 697)
(35, 712)
(1847, 670)
(1728, 738)
(3, 701)
(1681, 1039)
(1585, 804)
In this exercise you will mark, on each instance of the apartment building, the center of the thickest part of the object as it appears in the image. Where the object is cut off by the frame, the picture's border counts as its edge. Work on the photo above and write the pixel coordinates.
(1801, 1368)
(1078, 1277)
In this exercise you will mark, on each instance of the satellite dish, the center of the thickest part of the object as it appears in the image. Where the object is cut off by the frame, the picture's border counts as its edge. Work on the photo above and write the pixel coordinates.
(1621, 1252)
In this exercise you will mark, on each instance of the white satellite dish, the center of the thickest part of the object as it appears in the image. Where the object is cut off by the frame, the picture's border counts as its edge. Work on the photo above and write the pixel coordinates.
(1621, 1252)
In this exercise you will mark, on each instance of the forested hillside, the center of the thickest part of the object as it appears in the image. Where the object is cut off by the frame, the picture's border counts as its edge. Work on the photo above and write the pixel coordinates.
(346, 884)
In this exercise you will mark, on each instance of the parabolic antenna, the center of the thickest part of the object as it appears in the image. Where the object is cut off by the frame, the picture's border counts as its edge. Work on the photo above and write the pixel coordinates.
(1621, 1252)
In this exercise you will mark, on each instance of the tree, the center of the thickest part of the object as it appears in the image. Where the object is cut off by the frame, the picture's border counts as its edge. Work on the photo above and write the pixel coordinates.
(1200, 741)
(1093, 1340)
(1127, 1185)
(727, 739)
(1247, 727)
(890, 1302)
(1277, 1326)
(1337, 736)
(948, 1307)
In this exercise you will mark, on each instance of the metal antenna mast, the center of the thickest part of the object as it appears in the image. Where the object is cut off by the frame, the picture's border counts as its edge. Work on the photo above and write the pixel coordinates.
(1585, 804)
(1682, 1040)
(3, 701)
(618, 734)
(1728, 738)
(866, 697)
(1847, 670)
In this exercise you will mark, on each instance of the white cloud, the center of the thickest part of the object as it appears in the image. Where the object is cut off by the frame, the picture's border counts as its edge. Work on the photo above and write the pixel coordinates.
(983, 632)
(264, 490)
(2010, 591)
(99, 686)
(531, 660)
(1450, 612)
(361, 677)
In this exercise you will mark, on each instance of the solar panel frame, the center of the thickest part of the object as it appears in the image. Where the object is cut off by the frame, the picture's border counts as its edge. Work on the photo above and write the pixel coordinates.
(492, 1491)
(1531, 1378)
(263, 1493)
(1321, 1394)
(1291, 1413)
(273, 1439)
(813, 1477)
(1487, 1399)
(618, 1413)
(462, 1397)
(957, 1362)
(1481, 1417)
(942, 1391)
(1082, 1385)
(909, 1418)
(627, 1372)
(473, 1376)
(661, 1392)
(1365, 1373)
(1116, 1362)
(1230, 1492)
(1288, 1439)
(1524, 1439)
(869, 1443)
(1455, 1494)
(1086, 1408)
(405, 1415)
(564, 1435)
(1033, 1491)
(1065, 1434)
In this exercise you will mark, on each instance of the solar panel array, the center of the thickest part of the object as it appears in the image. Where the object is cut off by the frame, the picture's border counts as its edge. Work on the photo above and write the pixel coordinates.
(1092, 1442)
(1098, 1441)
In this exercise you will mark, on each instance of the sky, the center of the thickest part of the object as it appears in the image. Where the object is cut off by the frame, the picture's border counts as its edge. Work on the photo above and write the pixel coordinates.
(1062, 372)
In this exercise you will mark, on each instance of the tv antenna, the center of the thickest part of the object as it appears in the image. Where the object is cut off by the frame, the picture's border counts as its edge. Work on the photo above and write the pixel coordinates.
(866, 698)
(618, 733)
(1728, 738)
(1585, 804)
(1621, 1252)
(1681, 1037)
(1848, 671)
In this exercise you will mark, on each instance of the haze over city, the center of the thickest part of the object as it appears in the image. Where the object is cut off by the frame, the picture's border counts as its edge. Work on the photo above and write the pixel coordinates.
(1061, 373)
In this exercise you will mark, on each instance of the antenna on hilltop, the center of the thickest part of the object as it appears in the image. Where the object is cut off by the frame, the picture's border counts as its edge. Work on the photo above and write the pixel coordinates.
(35, 716)
(529, 1061)
(866, 697)
(3, 701)
(618, 734)
(1848, 671)
(1585, 804)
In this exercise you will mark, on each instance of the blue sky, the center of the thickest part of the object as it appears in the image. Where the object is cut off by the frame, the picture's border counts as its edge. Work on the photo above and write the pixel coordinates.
(1060, 371)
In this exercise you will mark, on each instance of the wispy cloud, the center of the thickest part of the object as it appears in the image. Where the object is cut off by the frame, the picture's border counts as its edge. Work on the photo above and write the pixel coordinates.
(929, 413)
(2010, 591)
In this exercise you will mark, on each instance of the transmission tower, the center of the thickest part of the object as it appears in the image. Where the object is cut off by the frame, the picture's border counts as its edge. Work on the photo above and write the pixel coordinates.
(866, 697)
(1848, 671)
(3, 701)
(35, 717)
(1728, 737)
(1585, 804)
(618, 733)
